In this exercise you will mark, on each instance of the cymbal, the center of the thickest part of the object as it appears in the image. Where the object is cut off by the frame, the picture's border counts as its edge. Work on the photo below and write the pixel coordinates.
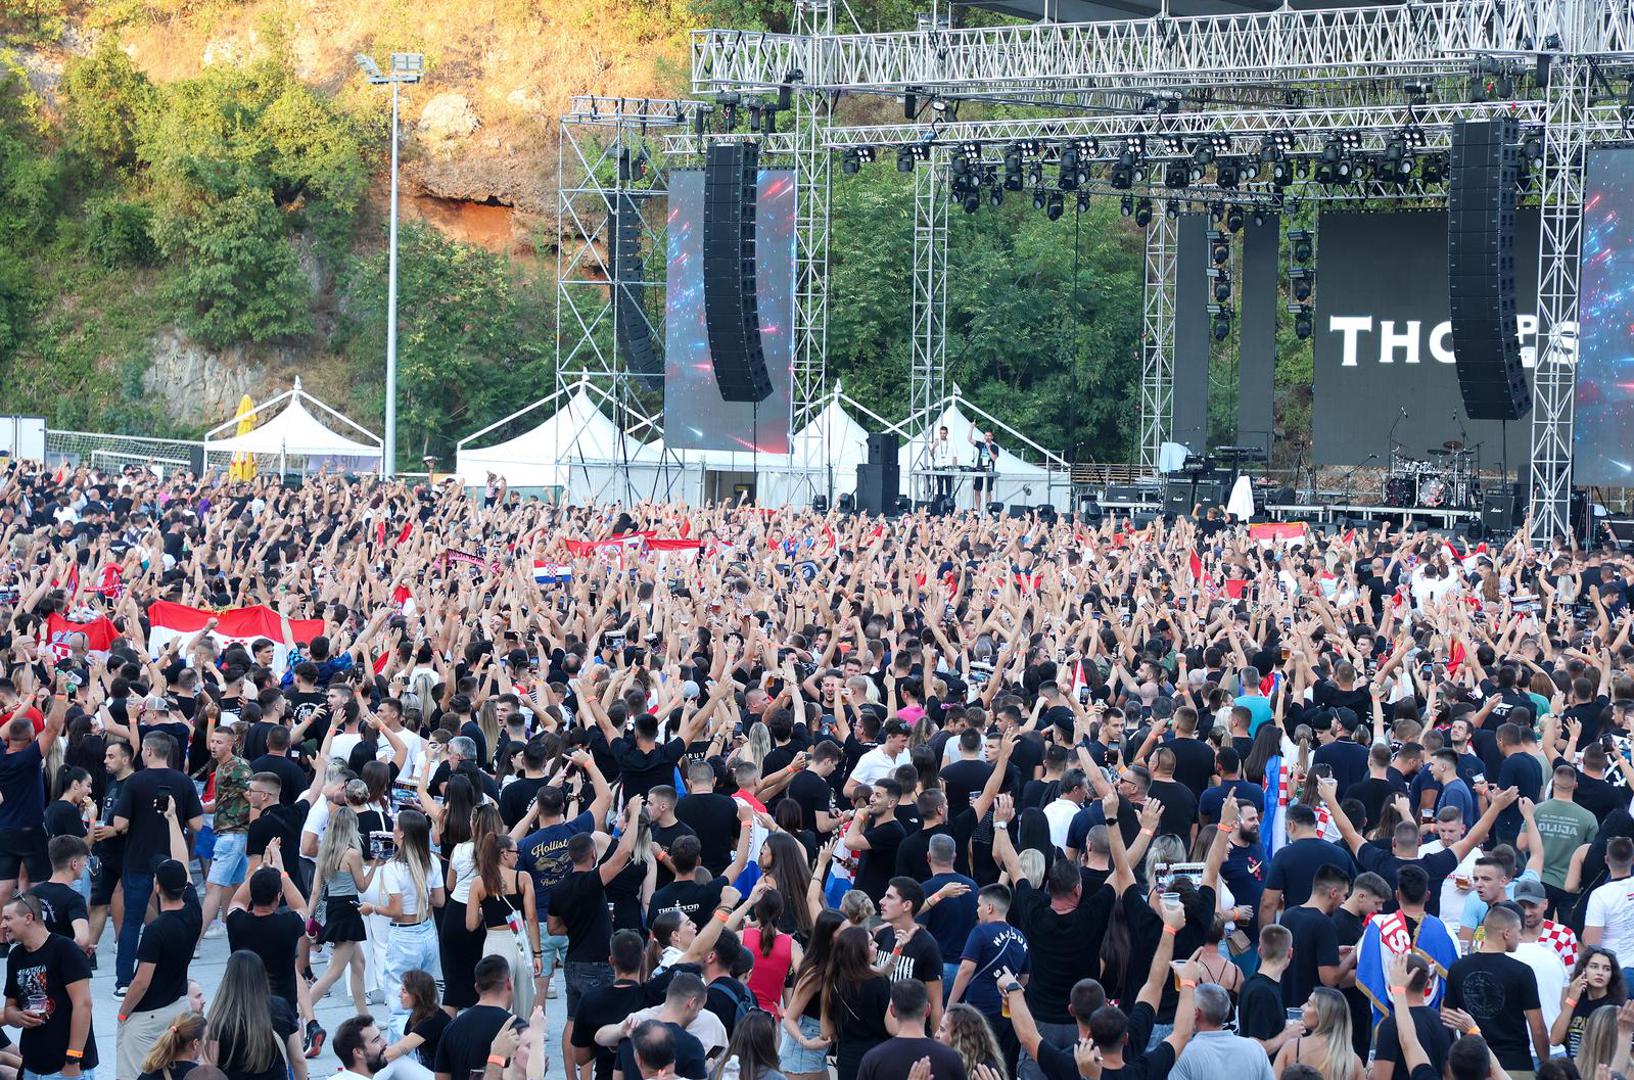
(1453, 444)
(1436, 451)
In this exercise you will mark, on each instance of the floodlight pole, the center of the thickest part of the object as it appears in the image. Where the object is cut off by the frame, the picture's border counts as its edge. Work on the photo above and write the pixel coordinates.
(388, 457)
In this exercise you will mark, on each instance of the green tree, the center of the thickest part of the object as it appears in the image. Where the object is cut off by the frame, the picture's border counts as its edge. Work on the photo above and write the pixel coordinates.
(104, 98)
(474, 340)
(238, 278)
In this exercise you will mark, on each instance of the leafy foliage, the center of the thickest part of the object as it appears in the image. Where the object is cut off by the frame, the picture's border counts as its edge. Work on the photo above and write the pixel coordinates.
(104, 98)
(239, 278)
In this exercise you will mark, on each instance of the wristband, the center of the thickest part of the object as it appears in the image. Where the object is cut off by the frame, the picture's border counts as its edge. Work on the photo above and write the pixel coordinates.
(1472, 1030)
(1147, 832)
(1188, 984)
(1167, 929)
(73, 1055)
(1402, 990)
(1571, 1003)
(1001, 825)
(1223, 827)
(722, 916)
(495, 1059)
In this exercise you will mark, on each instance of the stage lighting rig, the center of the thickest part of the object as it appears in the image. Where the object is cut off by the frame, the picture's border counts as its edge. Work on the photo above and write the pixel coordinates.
(1219, 248)
(995, 196)
(1038, 198)
(1418, 93)
(1299, 245)
(1012, 167)
(1222, 320)
(1434, 169)
(1143, 212)
(1055, 206)
(1083, 201)
(1301, 279)
(1174, 144)
(1282, 174)
(1126, 206)
(1171, 209)
(1227, 174)
(1532, 151)
(1234, 219)
(1175, 175)
(1221, 287)
(850, 163)
(1068, 162)
(1302, 320)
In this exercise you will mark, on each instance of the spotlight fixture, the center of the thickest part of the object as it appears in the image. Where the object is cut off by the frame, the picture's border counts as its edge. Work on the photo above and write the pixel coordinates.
(1143, 212)
(1281, 142)
(1227, 174)
(1174, 144)
(1301, 280)
(1126, 206)
(1219, 248)
(904, 159)
(1532, 151)
(1055, 207)
(1222, 320)
(1259, 217)
(1302, 320)
(1282, 174)
(1176, 175)
(1434, 169)
(1038, 198)
(972, 201)
(1171, 209)
(1299, 245)
(1123, 172)
(850, 163)
(1219, 144)
(1135, 144)
(1083, 201)
(1221, 277)
(995, 196)
(1234, 219)
(1068, 161)
(1012, 168)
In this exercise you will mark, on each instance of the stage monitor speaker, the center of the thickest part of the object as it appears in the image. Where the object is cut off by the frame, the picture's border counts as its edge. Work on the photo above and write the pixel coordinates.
(1483, 181)
(630, 325)
(731, 309)
(878, 487)
(1499, 507)
(882, 448)
(1123, 493)
(1177, 497)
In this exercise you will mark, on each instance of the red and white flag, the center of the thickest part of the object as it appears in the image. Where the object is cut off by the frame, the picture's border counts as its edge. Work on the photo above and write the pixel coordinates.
(99, 632)
(241, 626)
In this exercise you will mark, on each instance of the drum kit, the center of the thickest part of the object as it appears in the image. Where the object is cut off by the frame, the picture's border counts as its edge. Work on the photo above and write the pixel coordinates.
(1447, 478)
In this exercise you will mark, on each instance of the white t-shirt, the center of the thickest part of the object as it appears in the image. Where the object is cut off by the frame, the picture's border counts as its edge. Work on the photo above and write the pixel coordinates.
(1060, 814)
(395, 879)
(706, 1028)
(1551, 975)
(876, 764)
(463, 862)
(1612, 906)
(1452, 897)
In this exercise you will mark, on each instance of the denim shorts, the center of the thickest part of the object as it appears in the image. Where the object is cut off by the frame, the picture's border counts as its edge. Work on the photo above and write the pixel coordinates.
(583, 976)
(796, 1058)
(85, 1074)
(229, 864)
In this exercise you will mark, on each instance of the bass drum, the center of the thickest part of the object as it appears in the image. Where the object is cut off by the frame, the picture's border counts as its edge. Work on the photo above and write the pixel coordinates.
(1399, 491)
(1433, 492)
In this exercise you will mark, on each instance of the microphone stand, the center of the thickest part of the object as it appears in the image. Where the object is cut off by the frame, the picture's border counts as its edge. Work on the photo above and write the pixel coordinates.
(1353, 470)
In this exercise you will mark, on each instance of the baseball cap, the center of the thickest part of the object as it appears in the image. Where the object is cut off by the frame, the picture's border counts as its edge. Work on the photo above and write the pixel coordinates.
(171, 876)
(1530, 891)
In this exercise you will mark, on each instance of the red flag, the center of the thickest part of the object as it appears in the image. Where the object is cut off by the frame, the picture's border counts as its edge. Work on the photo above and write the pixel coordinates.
(1235, 587)
(403, 534)
(1350, 535)
(1455, 657)
(1196, 566)
(111, 583)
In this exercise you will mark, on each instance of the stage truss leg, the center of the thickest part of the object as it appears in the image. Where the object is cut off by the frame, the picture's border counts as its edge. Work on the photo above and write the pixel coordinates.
(593, 138)
(927, 363)
(1559, 247)
(1157, 341)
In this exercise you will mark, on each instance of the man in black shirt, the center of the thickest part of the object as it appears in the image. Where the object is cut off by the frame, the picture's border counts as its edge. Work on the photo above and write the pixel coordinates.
(61, 905)
(1500, 993)
(256, 922)
(877, 833)
(48, 995)
(271, 819)
(108, 845)
(812, 791)
(663, 1042)
(1261, 1013)
(161, 968)
(1193, 758)
(276, 759)
(1316, 959)
(691, 897)
(896, 1056)
(1433, 1036)
(578, 909)
(154, 794)
(913, 950)
(516, 799)
(711, 815)
(609, 1004)
(1179, 802)
(666, 828)
(467, 1042)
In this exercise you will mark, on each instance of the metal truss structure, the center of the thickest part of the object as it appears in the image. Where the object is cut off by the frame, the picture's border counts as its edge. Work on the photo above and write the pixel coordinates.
(610, 151)
(927, 365)
(1157, 340)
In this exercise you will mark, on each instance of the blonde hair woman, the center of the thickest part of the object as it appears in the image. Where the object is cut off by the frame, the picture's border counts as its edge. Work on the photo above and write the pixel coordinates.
(1326, 1045)
(342, 877)
(180, 1043)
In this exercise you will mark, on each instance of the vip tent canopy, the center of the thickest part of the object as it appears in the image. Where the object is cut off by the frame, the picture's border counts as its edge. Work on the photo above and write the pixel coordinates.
(1018, 481)
(577, 433)
(295, 433)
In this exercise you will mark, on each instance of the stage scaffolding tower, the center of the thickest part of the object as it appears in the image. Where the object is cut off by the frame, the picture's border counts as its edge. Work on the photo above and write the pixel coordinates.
(1299, 75)
(927, 365)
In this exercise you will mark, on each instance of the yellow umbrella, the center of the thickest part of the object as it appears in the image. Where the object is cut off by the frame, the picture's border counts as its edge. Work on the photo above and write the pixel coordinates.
(243, 466)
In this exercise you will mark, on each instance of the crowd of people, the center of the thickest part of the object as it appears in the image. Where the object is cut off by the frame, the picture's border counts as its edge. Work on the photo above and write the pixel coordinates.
(779, 795)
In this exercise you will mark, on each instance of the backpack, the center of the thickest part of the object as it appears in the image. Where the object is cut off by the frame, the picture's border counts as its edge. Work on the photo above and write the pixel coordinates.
(743, 1001)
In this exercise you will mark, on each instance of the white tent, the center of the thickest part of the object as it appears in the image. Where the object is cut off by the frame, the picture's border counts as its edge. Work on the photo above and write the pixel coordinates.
(578, 433)
(296, 433)
(1018, 481)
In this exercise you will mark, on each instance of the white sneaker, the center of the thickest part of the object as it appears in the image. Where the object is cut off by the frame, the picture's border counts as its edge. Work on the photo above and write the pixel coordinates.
(216, 930)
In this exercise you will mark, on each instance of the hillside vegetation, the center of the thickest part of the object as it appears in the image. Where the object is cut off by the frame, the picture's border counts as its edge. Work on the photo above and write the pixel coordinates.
(192, 198)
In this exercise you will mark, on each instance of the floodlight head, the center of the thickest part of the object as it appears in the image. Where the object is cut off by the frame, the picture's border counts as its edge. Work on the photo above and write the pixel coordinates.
(408, 63)
(367, 65)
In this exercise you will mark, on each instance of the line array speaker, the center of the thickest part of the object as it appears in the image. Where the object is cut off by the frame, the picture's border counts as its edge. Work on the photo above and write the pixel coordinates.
(1481, 268)
(630, 325)
(731, 310)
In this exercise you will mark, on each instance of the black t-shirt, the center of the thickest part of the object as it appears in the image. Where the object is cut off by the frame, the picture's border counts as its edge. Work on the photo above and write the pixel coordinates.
(273, 938)
(1497, 990)
(112, 850)
(22, 788)
(715, 819)
(892, 1059)
(1060, 947)
(149, 835)
(1384, 862)
(281, 823)
(1349, 928)
(581, 903)
(255, 739)
(879, 861)
(289, 772)
(48, 972)
(912, 855)
(62, 819)
(1294, 867)
(469, 1039)
(1138, 1066)
(811, 793)
(516, 796)
(689, 1055)
(921, 957)
(643, 770)
(167, 943)
(1260, 1011)
(697, 901)
(1348, 760)
(431, 1031)
(1316, 944)
(61, 905)
(1433, 1036)
(1193, 763)
(963, 780)
(607, 1005)
(178, 1069)
(1599, 796)
(1179, 809)
(664, 836)
(1372, 794)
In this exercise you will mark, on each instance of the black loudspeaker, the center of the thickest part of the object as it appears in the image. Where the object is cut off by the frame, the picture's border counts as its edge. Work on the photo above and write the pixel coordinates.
(1501, 507)
(1123, 493)
(630, 323)
(1481, 268)
(1177, 497)
(878, 487)
(731, 310)
(882, 448)
(195, 459)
